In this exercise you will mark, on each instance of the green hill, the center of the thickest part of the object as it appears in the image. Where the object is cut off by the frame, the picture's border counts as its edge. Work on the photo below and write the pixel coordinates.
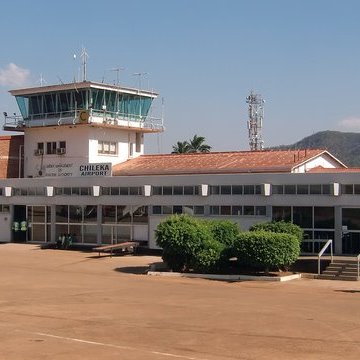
(344, 146)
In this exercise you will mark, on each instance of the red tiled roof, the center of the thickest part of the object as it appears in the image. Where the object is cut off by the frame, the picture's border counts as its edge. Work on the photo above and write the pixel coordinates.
(320, 169)
(217, 162)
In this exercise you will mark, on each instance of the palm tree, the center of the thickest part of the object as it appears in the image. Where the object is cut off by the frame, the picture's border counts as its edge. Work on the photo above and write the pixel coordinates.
(197, 145)
(181, 147)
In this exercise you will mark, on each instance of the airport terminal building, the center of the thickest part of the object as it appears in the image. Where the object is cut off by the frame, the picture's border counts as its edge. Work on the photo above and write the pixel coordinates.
(78, 167)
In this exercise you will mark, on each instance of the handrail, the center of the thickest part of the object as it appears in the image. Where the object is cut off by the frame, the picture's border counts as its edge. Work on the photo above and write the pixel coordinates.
(358, 267)
(329, 242)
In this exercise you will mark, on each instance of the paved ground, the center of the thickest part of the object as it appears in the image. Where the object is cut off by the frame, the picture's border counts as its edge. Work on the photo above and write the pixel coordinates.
(71, 305)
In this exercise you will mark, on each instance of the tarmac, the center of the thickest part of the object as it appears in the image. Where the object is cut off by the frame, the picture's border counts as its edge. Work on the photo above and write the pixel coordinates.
(62, 304)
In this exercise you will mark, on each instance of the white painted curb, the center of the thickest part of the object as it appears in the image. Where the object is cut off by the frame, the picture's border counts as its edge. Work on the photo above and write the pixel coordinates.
(226, 277)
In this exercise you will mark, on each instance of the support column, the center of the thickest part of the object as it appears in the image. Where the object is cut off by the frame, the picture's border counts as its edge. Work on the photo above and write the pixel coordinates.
(99, 227)
(338, 230)
(53, 223)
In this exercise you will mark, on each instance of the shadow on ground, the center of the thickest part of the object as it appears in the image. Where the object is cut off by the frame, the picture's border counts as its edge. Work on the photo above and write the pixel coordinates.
(137, 270)
(349, 291)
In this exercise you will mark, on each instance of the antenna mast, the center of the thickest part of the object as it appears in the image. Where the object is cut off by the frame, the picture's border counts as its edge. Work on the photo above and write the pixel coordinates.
(256, 116)
(84, 56)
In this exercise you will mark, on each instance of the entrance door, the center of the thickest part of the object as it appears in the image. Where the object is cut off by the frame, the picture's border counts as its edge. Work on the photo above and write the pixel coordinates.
(19, 232)
(351, 243)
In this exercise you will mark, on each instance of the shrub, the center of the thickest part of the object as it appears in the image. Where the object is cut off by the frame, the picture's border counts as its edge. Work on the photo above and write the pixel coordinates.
(266, 250)
(224, 231)
(209, 258)
(280, 227)
(182, 237)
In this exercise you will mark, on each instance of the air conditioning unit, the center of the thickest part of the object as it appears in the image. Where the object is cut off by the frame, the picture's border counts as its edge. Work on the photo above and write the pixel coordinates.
(60, 151)
(39, 152)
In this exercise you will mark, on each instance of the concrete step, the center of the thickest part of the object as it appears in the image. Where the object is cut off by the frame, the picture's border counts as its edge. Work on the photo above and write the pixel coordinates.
(344, 269)
(337, 277)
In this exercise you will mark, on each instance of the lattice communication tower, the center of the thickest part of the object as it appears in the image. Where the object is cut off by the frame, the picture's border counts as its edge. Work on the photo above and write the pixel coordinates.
(256, 116)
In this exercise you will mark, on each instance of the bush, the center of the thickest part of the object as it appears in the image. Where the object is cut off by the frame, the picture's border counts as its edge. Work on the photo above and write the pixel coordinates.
(209, 258)
(224, 231)
(280, 227)
(266, 250)
(192, 244)
(182, 237)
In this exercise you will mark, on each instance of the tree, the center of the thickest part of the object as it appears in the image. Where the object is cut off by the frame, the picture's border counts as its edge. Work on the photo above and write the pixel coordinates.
(181, 147)
(197, 145)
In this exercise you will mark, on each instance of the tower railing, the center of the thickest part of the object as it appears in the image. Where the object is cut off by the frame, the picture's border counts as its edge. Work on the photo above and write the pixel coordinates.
(72, 117)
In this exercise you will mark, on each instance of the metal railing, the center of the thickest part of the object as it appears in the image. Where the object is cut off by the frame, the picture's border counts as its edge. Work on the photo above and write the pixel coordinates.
(358, 266)
(329, 242)
(71, 117)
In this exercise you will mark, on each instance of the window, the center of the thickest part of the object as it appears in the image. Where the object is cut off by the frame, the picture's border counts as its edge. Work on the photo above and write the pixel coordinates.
(214, 190)
(124, 190)
(237, 189)
(157, 190)
(281, 213)
(214, 210)
(277, 189)
(249, 190)
(249, 210)
(302, 189)
(188, 190)
(315, 189)
(302, 216)
(260, 210)
(156, 210)
(237, 210)
(138, 142)
(225, 210)
(324, 217)
(107, 147)
(347, 189)
(225, 190)
(289, 189)
(178, 190)
(51, 147)
(167, 190)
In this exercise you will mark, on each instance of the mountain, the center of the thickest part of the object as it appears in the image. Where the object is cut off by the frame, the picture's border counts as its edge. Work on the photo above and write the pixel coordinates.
(344, 146)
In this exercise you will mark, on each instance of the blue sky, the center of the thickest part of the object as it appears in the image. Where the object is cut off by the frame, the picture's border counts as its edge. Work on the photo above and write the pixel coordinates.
(203, 57)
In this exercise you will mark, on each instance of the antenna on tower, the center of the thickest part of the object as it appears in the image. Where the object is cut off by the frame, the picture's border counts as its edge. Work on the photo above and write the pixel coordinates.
(42, 81)
(84, 56)
(256, 116)
(117, 70)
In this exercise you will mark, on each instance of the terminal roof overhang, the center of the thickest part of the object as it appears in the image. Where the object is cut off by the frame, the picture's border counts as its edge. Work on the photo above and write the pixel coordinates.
(81, 86)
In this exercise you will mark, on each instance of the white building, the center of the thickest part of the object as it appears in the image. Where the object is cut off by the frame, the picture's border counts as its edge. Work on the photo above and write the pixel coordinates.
(82, 170)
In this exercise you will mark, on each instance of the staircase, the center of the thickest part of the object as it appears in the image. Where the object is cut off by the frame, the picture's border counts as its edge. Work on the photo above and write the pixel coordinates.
(341, 269)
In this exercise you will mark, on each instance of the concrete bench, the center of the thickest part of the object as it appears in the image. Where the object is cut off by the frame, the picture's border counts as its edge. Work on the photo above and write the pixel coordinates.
(129, 246)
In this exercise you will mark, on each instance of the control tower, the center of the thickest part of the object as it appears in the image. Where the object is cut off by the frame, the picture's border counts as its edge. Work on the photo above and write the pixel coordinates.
(71, 125)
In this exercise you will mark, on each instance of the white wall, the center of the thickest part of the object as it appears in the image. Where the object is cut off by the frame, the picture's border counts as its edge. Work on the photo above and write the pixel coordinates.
(324, 160)
(81, 148)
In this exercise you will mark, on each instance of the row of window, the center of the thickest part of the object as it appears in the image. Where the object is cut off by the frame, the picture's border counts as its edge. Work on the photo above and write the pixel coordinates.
(107, 147)
(315, 189)
(350, 189)
(226, 210)
(51, 148)
(87, 191)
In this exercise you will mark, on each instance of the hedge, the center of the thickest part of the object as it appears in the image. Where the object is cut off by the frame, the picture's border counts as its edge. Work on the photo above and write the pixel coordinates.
(182, 237)
(266, 250)
(280, 227)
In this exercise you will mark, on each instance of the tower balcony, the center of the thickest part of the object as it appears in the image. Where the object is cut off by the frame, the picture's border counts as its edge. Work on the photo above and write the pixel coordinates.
(90, 117)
